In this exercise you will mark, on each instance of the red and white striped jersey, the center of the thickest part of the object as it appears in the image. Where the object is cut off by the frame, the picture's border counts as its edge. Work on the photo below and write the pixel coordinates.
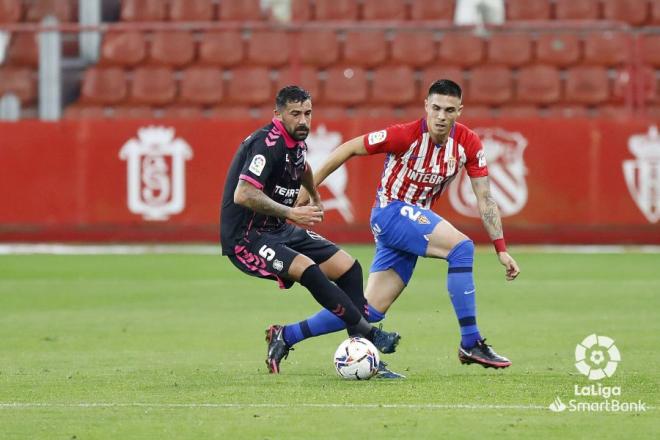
(416, 170)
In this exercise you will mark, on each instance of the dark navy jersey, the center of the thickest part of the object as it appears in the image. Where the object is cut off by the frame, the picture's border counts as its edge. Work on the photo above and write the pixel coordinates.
(271, 160)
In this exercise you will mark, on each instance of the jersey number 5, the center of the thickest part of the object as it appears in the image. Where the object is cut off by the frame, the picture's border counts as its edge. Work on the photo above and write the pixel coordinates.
(267, 252)
(408, 211)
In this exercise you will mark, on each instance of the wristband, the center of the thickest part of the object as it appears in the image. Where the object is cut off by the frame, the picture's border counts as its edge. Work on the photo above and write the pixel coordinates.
(500, 245)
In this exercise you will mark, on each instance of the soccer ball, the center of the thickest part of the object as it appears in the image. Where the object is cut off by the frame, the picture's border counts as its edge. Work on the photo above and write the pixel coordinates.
(357, 359)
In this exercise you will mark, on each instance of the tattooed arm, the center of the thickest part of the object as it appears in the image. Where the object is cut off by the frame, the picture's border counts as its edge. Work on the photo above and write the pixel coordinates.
(490, 217)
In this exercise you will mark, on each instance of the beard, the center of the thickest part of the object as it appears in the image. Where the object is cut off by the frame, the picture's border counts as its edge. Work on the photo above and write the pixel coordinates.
(300, 133)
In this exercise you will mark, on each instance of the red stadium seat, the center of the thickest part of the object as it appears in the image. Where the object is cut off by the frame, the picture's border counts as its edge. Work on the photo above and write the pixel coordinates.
(566, 111)
(414, 48)
(336, 10)
(11, 11)
(586, 85)
(240, 10)
(232, 112)
(633, 12)
(345, 86)
(576, 9)
(143, 10)
(520, 111)
(318, 48)
(384, 10)
(201, 85)
(538, 84)
(78, 111)
(172, 48)
(558, 49)
(20, 81)
(654, 19)
(432, 10)
(323, 112)
(23, 50)
(133, 112)
(152, 86)
(393, 85)
(104, 86)
(461, 49)
(653, 112)
(221, 48)
(490, 85)
(365, 48)
(477, 112)
(301, 10)
(269, 48)
(433, 73)
(527, 10)
(63, 10)
(622, 87)
(123, 48)
(648, 85)
(649, 45)
(510, 49)
(375, 112)
(191, 10)
(306, 77)
(249, 86)
(607, 48)
(182, 112)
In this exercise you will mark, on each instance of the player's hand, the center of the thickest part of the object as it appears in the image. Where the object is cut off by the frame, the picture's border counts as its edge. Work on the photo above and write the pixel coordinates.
(512, 269)
(306, 215)
(303, 197)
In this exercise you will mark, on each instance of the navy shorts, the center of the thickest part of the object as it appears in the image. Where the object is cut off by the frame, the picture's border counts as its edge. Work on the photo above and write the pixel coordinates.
(402, 234)
(270, 254)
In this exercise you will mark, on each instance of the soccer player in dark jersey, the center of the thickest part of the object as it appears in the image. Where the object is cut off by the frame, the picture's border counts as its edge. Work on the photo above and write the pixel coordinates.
(262, 185)
(422, 158)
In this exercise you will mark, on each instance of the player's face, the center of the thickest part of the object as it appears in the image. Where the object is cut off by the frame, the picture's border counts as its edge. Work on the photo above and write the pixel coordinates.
(296, 118)
(441, 113)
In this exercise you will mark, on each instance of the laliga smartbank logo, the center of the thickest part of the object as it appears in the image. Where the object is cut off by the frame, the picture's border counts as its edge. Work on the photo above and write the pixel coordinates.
(597, 357)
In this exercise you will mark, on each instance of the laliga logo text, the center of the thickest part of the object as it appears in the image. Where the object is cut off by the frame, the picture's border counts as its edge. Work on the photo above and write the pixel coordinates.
(156, 174)
(597, 358)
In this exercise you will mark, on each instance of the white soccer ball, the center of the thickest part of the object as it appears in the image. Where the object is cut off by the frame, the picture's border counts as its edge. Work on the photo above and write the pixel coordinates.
(357, 359)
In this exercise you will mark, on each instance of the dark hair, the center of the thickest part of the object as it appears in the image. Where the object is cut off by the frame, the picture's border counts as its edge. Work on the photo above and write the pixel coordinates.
(291, 94)
(445, 87)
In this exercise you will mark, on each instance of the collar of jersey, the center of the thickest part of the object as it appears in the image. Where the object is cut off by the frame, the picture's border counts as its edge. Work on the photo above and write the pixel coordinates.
(290, 142)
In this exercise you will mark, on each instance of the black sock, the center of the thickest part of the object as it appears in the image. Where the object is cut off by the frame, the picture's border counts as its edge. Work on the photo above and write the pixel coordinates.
(351, 283)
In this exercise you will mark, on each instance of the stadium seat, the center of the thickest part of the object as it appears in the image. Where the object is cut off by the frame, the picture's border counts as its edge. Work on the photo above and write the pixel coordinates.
(269, 48)
(336, 10)
(182, 112)
(104, 86)
(436, 10)
(393, 85)
(566, 111)
(306, 77)
(558, 49)
(586, 85)
(20, 81)
(123, 48)
(576, 9)
(431, 74)
(510, 49)
(172, 48)
(633, 12)
(152, 85)
(649, 45)
(461, 49)
(201, 85)
(240, 10)
(23, 50)
(374, 112)
(323, 112)
(412, 112)
(411, 48)
(318, 48)
(622, 86)
(249, 86)
(301, 10)
(538, 84)
(653, 112)
(519, 111)
(476, 112)
(384, 10)
(607, 48)
(654, 18)
(231, 112)
(345, 86)
(490, 85)
(648, 86)
(221, 48)
(527, 10)
(143, 10)
(11, 11)
(78, 111)
(365, 48)
(133, 112)
(63, 10)
(191, 10)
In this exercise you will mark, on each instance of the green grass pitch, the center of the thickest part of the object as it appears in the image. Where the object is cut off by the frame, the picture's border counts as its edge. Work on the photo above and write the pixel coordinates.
(172, 347)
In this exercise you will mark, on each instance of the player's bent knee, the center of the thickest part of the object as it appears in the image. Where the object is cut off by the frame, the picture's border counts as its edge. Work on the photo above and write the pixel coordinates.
(298, 266)
(337, 265)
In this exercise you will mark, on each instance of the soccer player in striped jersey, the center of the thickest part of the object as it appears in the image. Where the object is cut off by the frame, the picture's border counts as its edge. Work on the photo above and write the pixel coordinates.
(421, 159)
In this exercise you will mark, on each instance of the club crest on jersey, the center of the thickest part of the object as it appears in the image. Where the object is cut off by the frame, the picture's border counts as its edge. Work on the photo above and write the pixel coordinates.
(642, 174)
(377, 137)
(257, 165)
(156, 173)
(423, 220)
(503, 150)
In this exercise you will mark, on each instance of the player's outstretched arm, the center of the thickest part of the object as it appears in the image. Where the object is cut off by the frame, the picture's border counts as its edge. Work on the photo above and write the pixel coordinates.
(312, 192)
(490, 216)
(249, 196)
